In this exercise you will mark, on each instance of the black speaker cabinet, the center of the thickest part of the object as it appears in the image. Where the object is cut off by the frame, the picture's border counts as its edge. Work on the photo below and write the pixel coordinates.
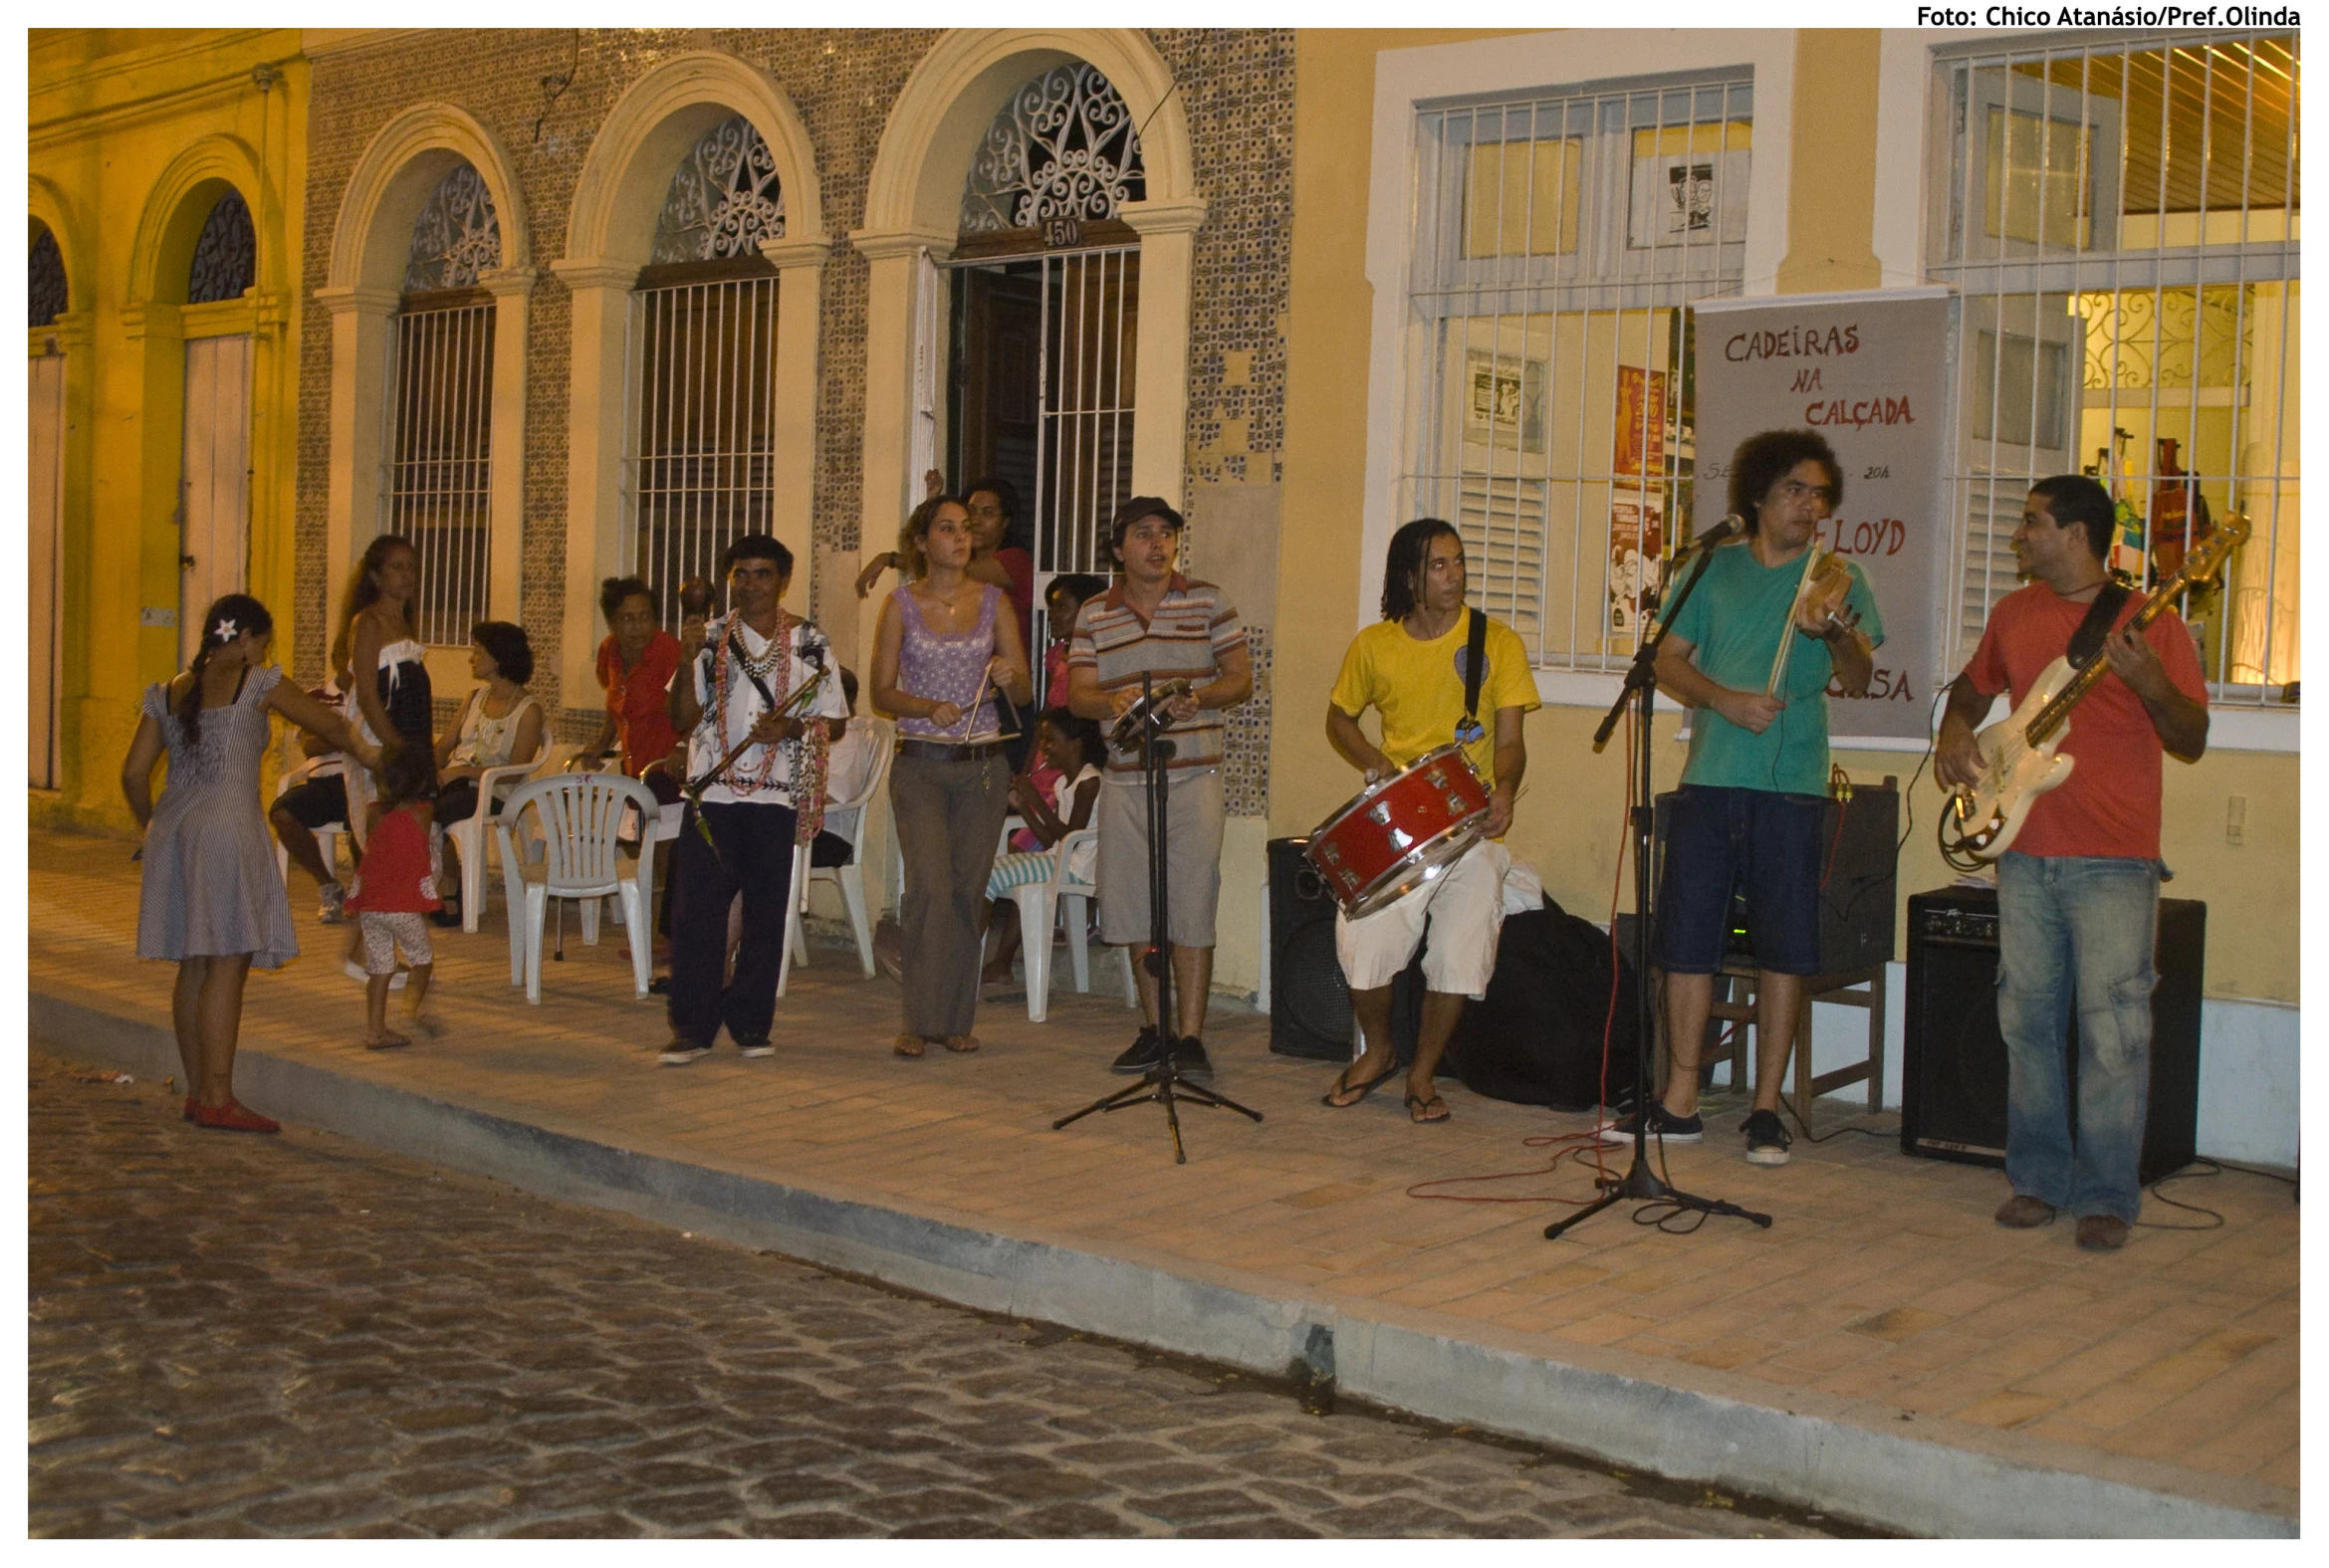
(1953, 1072)
(1309, 1002)
(1858, 840)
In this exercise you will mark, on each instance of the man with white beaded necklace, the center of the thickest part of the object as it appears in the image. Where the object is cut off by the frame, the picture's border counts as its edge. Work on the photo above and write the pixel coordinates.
(749, 767)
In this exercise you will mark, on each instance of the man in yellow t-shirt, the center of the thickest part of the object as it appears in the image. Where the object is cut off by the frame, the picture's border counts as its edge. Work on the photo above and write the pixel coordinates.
(1411, 667)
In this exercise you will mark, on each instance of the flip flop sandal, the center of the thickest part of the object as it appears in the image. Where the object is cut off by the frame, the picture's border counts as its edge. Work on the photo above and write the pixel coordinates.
(907, 1046)
(1427, 1101)
(961, 1043)
(1343, 1086)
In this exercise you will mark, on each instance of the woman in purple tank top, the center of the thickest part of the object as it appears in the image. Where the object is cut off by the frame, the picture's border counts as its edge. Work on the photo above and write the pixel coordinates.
(945, 646)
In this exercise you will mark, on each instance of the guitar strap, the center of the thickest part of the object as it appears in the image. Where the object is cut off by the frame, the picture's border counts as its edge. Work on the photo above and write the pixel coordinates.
(2101, 617)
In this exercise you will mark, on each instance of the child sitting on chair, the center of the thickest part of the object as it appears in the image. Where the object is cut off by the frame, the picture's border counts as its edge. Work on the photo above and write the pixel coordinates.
(1073, 746)
(394, 890)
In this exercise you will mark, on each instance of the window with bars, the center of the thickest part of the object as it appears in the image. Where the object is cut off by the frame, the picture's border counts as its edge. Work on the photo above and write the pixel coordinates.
(2121, 223)
(701, 470)
(437, 476)
(1557, 242)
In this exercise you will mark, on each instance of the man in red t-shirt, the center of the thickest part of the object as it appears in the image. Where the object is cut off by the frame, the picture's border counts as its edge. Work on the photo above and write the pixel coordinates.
(2078, 893)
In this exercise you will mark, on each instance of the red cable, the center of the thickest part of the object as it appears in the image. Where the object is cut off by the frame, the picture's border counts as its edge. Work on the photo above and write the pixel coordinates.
(1584, 1144)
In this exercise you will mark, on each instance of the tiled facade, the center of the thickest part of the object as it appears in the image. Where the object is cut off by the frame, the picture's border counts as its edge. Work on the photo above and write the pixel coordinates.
(1239, 92)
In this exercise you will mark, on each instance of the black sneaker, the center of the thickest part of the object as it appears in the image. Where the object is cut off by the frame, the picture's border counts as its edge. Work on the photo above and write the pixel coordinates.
(1188, 1059)
(1767, 1139)
(1143, 1054)
(680, 1052)
(1664, 1125)
(753, 1049)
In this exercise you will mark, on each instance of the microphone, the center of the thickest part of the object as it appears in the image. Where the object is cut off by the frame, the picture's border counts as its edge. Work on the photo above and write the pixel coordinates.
(1727, 528)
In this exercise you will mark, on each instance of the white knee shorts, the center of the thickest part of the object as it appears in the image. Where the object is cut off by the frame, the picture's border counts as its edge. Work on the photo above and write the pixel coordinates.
(1466, 906)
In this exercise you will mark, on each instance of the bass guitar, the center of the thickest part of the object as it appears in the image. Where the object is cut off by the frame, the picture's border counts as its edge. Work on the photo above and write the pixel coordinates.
(2021, 754)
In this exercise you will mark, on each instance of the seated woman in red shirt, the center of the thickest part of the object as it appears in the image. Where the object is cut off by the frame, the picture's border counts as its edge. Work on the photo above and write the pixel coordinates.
(635, 665)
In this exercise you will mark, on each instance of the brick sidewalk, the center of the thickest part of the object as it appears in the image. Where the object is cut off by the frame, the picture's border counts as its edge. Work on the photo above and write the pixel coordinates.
(1883, 1282)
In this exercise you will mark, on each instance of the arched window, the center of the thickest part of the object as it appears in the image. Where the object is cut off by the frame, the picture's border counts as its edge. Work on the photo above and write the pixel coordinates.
(1063, 147)
(437, 474)
(457, 236)
(724, 201)
(704, 326)
(46, 277)
(226, 255)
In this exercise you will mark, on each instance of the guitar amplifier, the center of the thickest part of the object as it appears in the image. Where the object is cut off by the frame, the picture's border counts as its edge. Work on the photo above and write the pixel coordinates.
(1954, 1067)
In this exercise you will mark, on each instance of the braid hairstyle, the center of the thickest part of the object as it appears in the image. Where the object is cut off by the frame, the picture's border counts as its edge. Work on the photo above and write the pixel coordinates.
(228, 618)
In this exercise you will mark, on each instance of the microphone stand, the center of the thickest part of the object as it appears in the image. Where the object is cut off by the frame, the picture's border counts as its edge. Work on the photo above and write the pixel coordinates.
(1640, 1182)
(1164, 1082)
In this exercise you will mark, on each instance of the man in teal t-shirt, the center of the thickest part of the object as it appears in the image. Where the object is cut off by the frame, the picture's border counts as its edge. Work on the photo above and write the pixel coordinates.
(1748, 815)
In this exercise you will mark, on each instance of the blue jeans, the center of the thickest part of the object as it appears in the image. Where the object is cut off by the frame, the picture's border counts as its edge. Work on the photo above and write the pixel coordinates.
(2076, 929)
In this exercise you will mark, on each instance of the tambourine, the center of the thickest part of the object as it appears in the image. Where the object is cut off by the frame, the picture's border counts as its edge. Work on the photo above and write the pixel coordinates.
(1147, 715)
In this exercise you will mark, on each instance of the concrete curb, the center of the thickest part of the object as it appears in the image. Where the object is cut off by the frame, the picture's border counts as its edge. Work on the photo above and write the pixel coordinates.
(1816, 1454)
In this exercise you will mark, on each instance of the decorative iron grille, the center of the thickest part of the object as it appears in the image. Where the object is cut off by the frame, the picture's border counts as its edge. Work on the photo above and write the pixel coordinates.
(2121, 226)
(438, 474)
(1063, 146)
(724, 201)
(701, 468)
(45, 279)
(1557, 242)
(457, 236)
(226, 254)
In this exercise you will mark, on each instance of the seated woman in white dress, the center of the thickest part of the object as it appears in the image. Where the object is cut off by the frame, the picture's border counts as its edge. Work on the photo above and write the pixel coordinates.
(498, 723)
(1073, 746)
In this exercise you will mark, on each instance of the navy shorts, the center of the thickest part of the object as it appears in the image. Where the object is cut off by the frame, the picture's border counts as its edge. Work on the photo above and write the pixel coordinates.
(1754, 842)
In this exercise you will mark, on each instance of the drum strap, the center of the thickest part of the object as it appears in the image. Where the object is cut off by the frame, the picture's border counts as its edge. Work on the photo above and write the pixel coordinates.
(1475, 645)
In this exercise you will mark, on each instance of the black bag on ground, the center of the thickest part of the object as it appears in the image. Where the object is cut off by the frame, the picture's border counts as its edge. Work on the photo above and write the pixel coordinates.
(1535, 1038)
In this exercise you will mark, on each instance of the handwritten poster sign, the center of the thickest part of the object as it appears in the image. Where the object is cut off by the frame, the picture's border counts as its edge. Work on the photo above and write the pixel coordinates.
(1869, 373)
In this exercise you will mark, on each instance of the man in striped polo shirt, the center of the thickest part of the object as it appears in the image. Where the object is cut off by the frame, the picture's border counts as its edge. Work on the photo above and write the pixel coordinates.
(1156, 622)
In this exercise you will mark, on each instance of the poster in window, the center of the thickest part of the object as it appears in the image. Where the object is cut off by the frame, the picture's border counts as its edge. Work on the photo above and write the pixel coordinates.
(1637, 536)
(1687, 199)
(1504, 401)
(1640, 445)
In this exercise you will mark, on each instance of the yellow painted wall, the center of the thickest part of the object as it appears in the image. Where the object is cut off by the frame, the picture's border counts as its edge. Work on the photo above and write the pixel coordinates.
(1570, 820)
(132, 134)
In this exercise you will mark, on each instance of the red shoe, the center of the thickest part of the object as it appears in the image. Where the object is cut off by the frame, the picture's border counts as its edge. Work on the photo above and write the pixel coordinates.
(235, 1116)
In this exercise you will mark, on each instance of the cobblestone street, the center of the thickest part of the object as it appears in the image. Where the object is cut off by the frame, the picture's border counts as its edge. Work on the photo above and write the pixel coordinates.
(301, 1336)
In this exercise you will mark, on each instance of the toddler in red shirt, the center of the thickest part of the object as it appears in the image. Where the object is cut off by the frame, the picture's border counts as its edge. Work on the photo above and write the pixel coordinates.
(394, 889)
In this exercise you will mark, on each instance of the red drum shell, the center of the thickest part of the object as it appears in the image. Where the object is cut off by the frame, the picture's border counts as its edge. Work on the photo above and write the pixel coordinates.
(1396, 834)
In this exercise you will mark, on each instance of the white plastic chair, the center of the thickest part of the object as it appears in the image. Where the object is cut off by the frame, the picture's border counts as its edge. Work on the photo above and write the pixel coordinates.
(468, 834)
(571, 853)
(1040, 904)
(847, 818)
(298, 770)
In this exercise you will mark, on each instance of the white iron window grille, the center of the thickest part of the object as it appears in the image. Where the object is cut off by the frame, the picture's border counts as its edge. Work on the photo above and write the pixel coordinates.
(226, 253)
(1078, 397)
(724, 201)
(1558, 241)
(457, 237)
(2121, 223)
(1063, 146)
(440, 448)
(701, 466)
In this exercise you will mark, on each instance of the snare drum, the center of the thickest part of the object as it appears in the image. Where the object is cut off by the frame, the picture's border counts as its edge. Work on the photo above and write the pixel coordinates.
(1400, 833)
